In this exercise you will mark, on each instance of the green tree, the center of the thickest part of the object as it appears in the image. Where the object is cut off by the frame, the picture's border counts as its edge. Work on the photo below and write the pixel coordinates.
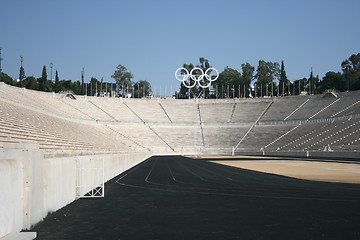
(31, 83)
(142, 89)
(101, 86)
(76, 87)
(123, 79)
(352, 64)
(7, 79)
(204, 65)
(57, 83)
(82, 83)
(184, 91)
(196, 90)
(283, 81)
(312, 84)
(228, 83)
(21, 75)
(299, 86)
(95, 86)
(247, 76)
(266, 73)
(66, 85)
(351, 72)
(43, 80)
(332, 80)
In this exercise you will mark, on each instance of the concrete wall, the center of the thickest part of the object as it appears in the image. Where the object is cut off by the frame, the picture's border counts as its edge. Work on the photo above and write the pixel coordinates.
(31, 160)
(32, 186)
(11, 193)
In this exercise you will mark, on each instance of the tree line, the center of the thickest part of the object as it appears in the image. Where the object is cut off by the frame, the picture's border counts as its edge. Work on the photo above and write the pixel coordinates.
(270, 79)
(123, 86)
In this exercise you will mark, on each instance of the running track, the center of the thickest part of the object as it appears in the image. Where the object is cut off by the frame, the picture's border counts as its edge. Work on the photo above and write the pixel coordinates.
(173, 197)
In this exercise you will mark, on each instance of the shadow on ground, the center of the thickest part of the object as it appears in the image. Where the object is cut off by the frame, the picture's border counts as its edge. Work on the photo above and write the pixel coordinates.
(173, 197)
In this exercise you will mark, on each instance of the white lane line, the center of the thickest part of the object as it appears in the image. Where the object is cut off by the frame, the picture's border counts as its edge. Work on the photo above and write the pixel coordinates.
(255, 187)
(283, 188)
(130, 171)
(209, 179)
(171, 173)
(185, 183)
(238, 194)
(207, 191)
(152, 168)
(188, 170)
(206, 188)
(214, 173)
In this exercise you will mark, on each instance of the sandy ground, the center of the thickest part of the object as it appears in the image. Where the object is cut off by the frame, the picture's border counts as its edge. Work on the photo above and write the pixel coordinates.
(309, 169)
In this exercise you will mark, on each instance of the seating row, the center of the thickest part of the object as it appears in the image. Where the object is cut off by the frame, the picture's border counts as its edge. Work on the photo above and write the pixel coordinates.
(94, 124)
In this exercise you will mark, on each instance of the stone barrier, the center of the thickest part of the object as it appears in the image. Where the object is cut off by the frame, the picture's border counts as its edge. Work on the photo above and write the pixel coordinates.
(32, 186)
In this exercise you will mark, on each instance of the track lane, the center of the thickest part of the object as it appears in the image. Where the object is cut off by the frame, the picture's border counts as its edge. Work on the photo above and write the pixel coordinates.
(210, 178)
(172, 197)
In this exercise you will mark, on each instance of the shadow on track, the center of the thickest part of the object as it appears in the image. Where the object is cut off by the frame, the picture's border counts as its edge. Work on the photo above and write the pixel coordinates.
(173, 197)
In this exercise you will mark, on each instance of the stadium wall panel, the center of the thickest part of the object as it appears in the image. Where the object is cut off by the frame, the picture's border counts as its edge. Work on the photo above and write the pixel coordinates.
(32, 186)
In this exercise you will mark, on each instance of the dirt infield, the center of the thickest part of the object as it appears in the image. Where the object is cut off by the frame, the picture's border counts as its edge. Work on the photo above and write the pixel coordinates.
(327, 170)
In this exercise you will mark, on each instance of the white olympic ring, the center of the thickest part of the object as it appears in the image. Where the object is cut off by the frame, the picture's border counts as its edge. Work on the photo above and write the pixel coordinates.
(197, 76)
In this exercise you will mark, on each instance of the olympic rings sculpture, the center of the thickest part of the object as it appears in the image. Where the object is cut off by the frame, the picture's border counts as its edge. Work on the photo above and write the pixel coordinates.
(196, 76)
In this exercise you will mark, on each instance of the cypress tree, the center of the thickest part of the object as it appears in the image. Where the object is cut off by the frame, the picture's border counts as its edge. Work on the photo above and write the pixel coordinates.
(43, 80)
(283, 79)
(57, 83)
(21, 75)
(82, 82)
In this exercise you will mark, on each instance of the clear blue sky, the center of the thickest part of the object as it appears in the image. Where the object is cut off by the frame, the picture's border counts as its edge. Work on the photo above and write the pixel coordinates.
(153, 38)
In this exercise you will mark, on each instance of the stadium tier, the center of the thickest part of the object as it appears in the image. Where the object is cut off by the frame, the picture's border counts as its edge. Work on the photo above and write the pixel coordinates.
(83, 125)
(57, 147)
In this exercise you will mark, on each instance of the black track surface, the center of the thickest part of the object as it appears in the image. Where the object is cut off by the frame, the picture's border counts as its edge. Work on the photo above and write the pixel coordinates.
(173, 197)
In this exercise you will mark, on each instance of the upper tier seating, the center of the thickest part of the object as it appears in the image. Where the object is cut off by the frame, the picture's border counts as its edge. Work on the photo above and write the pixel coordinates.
(90, 125)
